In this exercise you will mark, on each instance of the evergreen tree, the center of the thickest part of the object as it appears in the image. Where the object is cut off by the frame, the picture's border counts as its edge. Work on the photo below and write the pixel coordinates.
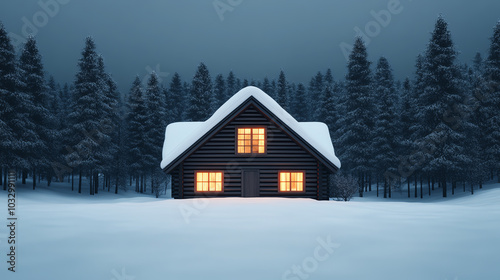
(201, 92)
(299, 104)
(491, 104)
(316, 86)
(328, 77)
(478, 63)
(356, 126)
(219, 96)
(55, 144)
(266, 87)
(177, 102)
(42, 119)
(440, 105)
(86, 134)
(282, 96)
(109, 125)
(230, 85)
(328, 109)
(386, 123)
(155, 130)
(8, 86)
(137, 117)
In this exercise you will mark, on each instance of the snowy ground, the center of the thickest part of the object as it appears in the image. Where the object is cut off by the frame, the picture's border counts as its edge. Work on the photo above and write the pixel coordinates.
(125, 236)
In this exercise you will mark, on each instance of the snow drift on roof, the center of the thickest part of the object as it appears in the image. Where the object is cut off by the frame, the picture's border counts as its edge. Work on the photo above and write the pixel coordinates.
(182, 135)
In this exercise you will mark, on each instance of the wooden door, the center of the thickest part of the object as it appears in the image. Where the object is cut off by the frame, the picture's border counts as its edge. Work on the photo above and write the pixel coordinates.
(250, 183)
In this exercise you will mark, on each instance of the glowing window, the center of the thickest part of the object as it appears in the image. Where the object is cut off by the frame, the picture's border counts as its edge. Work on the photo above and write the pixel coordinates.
(209, 181)
(251, 140)
(291, 181)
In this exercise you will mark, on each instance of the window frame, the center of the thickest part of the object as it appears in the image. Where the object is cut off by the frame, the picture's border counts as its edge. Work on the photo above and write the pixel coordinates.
(250, 127)
(290, 191)
(208, 171)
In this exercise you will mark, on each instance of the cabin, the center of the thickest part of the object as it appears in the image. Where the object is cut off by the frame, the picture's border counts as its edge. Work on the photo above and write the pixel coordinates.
(250, 147)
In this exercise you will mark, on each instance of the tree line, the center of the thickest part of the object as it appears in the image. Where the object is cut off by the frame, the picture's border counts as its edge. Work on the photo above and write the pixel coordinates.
(439, 127)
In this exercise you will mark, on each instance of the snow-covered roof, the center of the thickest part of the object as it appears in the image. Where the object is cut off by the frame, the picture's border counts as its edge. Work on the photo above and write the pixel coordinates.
(181, 136)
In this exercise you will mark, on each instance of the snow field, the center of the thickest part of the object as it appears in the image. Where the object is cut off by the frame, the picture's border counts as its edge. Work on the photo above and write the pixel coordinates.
(127, 236)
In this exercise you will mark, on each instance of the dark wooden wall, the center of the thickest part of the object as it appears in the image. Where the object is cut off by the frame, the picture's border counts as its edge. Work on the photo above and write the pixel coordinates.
(282, 154)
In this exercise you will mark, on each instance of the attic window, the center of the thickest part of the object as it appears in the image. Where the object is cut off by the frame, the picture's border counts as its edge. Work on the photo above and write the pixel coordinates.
(251, 140)
(291, 181)
(209, 181)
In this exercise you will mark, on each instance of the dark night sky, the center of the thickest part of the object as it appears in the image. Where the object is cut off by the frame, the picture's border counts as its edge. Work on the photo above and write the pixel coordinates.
(256, 39)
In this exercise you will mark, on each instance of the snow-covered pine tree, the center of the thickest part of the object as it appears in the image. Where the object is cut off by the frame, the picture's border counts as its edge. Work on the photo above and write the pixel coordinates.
(199, 108)
(8, 87)
(266, 87)
(315, 92)
(85, 134)
(356, 126)
(440, 106)
(55, 144)
(491, 130)
(137, 117)
(33, 81)
(406, 115)
(219, 96)
(245, 83)
(478, 63)
(155, 130)
(328, 77)
(22, 122)
(328, 113)
(282, 91)
(177, 100)
(109, 126)
(384, 143)
(230, 85)
(299, 104)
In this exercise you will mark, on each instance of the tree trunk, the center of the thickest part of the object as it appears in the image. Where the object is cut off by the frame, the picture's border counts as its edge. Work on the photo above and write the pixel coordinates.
(480, 184)
(408, 181)
(444, 188)
(390, 189)
(416, 186)
(91, 181)
(464, 185)
(453, 186)
(385, 188)
(152, 183)
(136, 183)
(429, 185)
(72, 181)
(34, 178)
(1, 176)
(377, 186)
(96, 183)
(80, 182)
(361, 185)
(432, 183)
(24, 175)
(471, 188)
(49, 180)
(142, 184)
(421, 189)
(370, 182)
(116, 185)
